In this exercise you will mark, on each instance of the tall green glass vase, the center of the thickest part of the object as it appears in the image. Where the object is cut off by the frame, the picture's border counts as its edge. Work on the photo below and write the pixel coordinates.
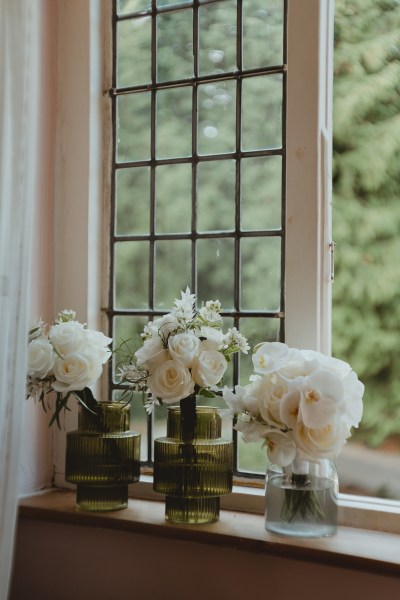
(103, 457)
(193, 465)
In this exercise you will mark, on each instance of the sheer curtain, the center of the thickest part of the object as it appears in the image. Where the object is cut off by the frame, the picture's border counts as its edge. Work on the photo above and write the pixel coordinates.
(19, 52)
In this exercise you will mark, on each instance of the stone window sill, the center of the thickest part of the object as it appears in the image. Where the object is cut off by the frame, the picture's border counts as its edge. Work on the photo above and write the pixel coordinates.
(352, 548)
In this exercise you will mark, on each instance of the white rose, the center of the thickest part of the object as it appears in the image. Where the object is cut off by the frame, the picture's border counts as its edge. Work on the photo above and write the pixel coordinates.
(97, 343)
(183, 348)
(209, 368)
(40, 358)
(171, 382)
(75, 371)
(269, 357)
(67, 337)
(152, 354)
(214, 338)
(163, 326)
(325, 442)
(270, 390)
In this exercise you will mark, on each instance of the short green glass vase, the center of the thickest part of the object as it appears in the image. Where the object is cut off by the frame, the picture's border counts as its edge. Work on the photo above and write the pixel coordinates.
(103, 457)
(193, 466)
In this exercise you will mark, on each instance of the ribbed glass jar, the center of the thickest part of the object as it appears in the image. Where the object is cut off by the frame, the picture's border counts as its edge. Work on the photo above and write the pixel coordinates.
(302, 499)
(103, 457)
(193, 467)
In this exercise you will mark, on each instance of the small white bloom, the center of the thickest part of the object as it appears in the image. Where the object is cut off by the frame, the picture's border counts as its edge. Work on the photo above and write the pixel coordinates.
(40, 358)
(184, 308)
(211, 312)
(269, 357)
(208, 368)
(251, 430)
(234, 339)
(171, 382)
(235, 401)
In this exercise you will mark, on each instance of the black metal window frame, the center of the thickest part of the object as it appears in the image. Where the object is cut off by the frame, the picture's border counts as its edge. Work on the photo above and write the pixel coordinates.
(195, 159)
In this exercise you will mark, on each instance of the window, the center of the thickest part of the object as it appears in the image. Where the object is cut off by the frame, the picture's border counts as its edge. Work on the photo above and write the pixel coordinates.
(199, 172)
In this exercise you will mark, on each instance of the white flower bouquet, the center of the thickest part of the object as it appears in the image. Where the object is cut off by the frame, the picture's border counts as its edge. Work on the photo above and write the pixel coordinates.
(302, 403)
(65, 359)
(184, 353)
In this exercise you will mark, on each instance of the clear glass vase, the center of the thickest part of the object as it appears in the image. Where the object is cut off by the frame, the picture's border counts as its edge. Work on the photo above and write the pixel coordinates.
(301, 500)
(193, 466)
(103, 457)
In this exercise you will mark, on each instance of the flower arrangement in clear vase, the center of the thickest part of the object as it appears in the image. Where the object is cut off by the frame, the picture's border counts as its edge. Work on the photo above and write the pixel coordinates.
(303, 404)
(183, 357)
(102, 455)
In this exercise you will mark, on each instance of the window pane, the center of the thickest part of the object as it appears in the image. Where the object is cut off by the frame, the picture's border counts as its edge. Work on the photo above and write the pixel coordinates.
(256, 330)
(262, 33)
(133, 127)
(216, 182)
(132, 201)
(131, 279)
(175, 45)
(171, 2)
(217, 117)
(124, 7)
(252, 458)
(260, 273)
(262, 96)
(133, 52)
(261, 192)
(128, 329)
(215, 271)
(217, 39)
(173, 181)
(174, 122)
(173, 265)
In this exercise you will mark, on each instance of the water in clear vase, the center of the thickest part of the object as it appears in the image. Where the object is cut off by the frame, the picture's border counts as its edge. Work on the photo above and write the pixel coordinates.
(301, 500)
(103, 457)
(193, 465)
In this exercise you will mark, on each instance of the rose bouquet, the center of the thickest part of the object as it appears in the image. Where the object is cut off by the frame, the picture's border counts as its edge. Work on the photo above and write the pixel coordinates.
(66, 360)
(303, 404)
(184, 354)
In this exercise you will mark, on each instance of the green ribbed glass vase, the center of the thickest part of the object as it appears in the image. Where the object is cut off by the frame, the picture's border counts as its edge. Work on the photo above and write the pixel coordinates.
(103, 457)
(193, 465)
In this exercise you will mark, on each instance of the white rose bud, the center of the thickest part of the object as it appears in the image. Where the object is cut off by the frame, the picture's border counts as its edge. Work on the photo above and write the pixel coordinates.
(183, 348)
(40, 358)
(76, 371)
(209, 368)
(171, 382)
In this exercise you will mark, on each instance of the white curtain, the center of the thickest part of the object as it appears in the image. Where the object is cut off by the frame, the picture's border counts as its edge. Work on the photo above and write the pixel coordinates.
(19, 55)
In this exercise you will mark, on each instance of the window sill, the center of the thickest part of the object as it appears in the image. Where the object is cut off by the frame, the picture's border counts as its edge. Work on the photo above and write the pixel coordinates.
(351, 548)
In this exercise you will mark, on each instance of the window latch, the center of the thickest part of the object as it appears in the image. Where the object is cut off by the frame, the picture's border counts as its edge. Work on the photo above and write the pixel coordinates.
(332, 247)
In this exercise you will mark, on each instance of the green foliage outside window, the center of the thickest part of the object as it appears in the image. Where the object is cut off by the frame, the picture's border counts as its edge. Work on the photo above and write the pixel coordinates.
(366, 205)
